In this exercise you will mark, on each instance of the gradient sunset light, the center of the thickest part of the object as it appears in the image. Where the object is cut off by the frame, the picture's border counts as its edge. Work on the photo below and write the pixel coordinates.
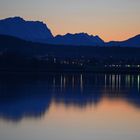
(110, 19)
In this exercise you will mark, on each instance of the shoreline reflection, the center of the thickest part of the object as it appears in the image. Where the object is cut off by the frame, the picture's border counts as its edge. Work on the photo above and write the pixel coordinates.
(31, 97)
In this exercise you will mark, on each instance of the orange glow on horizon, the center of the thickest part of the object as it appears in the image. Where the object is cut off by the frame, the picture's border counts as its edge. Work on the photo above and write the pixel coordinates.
(106, 32)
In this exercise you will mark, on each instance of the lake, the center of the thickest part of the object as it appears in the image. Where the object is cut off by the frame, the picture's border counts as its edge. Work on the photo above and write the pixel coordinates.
(62, 106)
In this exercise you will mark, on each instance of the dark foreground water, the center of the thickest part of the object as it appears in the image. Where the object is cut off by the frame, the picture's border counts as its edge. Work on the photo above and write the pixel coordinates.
(70, 107)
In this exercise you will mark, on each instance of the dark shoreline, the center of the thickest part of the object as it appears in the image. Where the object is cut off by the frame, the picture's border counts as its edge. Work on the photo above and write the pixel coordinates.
(44, 72)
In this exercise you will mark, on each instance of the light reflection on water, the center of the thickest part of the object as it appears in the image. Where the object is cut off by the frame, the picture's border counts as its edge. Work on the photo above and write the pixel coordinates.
(84, 106)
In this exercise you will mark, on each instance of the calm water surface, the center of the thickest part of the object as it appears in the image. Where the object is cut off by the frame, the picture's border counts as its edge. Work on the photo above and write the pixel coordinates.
(70, 107)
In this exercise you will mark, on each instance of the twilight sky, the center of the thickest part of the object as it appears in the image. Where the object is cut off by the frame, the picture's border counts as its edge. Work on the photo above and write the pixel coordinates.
(110, 19)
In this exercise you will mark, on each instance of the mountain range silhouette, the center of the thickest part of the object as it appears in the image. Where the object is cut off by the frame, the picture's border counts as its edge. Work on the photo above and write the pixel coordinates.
(37, 31)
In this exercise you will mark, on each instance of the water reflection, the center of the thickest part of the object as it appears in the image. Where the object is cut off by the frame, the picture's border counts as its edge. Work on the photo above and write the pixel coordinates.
(32, 96)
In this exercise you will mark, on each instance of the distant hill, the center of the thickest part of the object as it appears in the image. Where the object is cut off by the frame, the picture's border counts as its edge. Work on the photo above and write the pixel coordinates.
(132, 42)
(29, 49)
(78, 39)
(35, 31)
